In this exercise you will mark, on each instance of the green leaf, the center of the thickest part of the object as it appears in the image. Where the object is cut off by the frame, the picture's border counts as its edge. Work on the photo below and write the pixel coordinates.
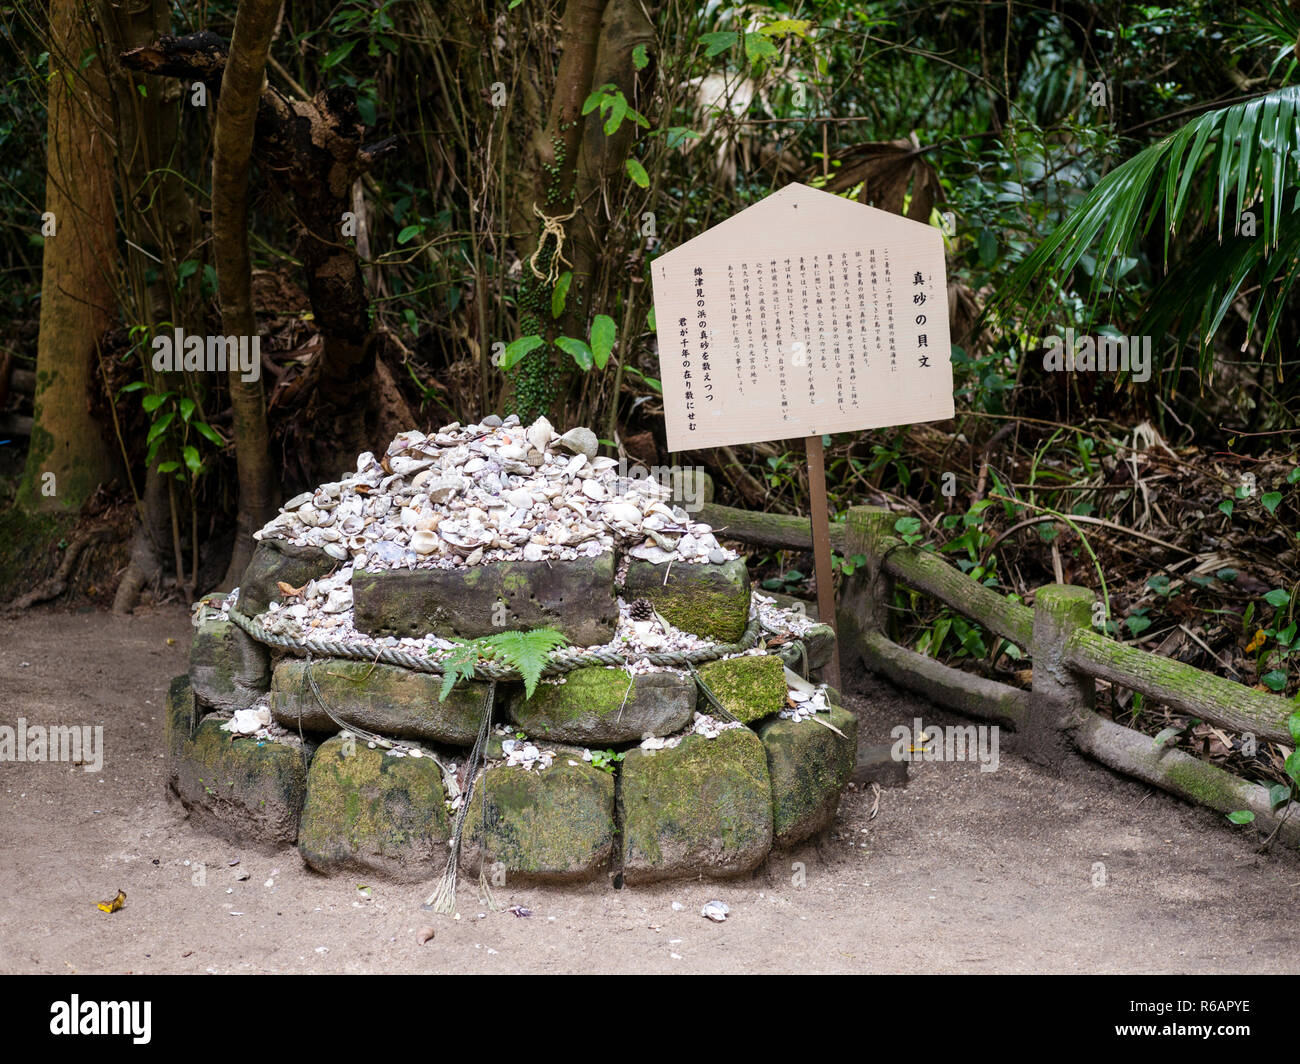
(640, 59)
(617, 111)
(459, 664)
(1293, 476)
(1137, 624)
(650, 321)
(1293, 726)
(209, 433)
(518, 349)
(1165, 734)
(1271, 500)
(187, 408)
(637, 173)
(676, 136)
(1277, 794)
(908, 526)
(1274, 680)
(1226, 507)
(783, 27)
(160, 426)
(1242, 816)
(602, 338)
(409, 233)
(192, 460)
(337, 55)
(1292, 766)
(987, 244)
(527, 652)
(1277, 598)
(154, 401)
(560, 293)
(716, 43)
(578, 350)
(168, 467)
(758, 48)
(134, 386)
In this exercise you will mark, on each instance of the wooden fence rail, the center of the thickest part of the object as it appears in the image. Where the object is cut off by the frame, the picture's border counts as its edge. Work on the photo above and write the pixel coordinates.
(1068, 656)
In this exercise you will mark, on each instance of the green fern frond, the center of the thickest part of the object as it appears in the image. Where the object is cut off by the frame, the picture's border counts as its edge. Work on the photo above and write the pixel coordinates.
(526, 652)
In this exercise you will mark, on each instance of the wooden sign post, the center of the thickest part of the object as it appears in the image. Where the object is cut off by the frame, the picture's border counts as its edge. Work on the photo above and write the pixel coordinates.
(803, 315)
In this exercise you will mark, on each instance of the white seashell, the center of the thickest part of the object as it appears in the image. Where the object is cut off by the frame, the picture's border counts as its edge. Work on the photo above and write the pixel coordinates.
(404, 465)
(441, 489)
(475, 557)
(330, 535)
(424, 542)
(602, 464)
(541, 433)
(574, 464)
(474, 465)
(356, 543)
(581, 441)
(409, 517)
(352, 524)
(594, 490)
(533, 552)
(648, 552)
(511, 452)
(521, 498)
(715, 911)
(297, 501)
(339, 600)
(336, 550)
(624, 512)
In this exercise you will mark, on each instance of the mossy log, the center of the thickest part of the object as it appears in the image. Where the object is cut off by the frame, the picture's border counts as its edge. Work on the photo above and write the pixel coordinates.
(779, 531)
(1137, 755)
(1182, 687)
(928, 572)
(945, 686)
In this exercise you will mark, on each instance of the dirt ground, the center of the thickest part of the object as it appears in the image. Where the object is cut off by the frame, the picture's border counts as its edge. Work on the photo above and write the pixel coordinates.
(961, 871)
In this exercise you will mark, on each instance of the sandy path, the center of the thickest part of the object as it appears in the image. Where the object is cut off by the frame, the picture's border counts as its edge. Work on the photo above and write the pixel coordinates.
(962, 871)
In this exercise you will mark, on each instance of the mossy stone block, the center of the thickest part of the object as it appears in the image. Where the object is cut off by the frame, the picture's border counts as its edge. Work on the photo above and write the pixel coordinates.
(711, 601)
(574, 596)
(810, 766)
(702, 807)
(541, 826)
(275, 560)
(246, 789)
(371, 813)
(228, 668)
(749, 687)
(600, 705)
(180, 718)
(387, 699)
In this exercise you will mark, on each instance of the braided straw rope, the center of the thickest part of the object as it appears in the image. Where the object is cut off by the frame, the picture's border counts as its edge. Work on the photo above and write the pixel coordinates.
(566, 659)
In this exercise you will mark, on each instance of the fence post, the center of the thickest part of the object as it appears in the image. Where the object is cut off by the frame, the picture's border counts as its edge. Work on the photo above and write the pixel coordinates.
(1060, 694)
(864, 597)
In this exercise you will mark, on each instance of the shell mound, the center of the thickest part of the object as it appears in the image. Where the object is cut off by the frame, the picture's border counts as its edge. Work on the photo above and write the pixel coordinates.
(314, 711)
(494, 491)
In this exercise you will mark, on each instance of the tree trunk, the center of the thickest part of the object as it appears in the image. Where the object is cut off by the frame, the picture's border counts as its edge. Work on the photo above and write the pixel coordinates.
(241, 92)
(68, 459)
(550, 161)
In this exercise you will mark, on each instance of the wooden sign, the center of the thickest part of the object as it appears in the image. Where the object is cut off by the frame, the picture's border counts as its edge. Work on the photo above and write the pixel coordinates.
(804, 314)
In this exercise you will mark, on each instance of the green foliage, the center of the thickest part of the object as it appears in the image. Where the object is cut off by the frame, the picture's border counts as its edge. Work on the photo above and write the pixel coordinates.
(526, 652)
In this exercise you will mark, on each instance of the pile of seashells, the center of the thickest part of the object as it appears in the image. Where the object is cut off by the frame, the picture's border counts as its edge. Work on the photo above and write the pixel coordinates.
(495, 491)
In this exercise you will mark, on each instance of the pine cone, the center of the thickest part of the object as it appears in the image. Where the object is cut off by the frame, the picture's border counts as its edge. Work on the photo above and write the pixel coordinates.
(641, 610)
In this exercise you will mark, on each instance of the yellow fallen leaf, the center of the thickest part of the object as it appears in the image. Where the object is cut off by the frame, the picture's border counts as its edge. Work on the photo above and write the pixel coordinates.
(1257, 642)
(115, 904)
(289, 589)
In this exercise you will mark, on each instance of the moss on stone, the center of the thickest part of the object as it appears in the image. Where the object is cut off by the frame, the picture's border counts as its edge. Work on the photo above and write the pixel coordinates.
(368, 811)
(383, 698)
(179, 722)
(245, 788)
(711, 601)
(704, 806)
(549, 825)
(810, 766)
(605, 705)
(750, 687)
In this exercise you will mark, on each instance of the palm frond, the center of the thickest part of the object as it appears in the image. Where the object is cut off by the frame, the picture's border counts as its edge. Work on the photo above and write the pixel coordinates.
(1219, 164)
